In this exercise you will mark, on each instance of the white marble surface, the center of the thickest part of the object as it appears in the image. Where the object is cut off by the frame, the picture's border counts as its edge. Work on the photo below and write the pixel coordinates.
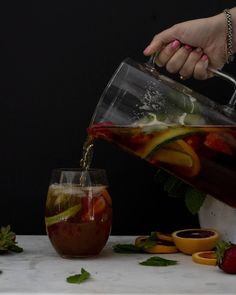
(40, 270)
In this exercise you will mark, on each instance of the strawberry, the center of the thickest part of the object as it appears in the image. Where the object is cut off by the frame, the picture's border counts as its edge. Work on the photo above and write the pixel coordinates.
(100, 130)
(226, 256)
(222, 143)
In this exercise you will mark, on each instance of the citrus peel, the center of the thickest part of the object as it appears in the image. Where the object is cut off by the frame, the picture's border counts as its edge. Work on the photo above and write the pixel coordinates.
(190, 241)
(204, 257)
(161, 247)
(164, 237)
(62, 215)
(182, 146)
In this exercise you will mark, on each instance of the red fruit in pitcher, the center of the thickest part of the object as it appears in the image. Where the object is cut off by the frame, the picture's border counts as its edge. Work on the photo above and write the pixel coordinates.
(220, 142)
(226, 256)
(100, 130)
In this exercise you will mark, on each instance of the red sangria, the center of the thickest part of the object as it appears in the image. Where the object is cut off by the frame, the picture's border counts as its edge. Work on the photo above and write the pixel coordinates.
(203, 156)
(78, 213)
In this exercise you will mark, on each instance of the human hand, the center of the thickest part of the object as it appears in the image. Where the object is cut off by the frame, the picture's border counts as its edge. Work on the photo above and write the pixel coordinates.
(189, 48)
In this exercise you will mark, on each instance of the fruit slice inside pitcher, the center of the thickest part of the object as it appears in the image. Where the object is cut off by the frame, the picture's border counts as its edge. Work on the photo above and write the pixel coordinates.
(199, 155)
(180, 155)
(170, 146)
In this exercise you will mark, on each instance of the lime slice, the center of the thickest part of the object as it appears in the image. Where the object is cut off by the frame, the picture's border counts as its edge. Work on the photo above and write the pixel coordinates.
(194, 119)
(63, 215)
(164, 138)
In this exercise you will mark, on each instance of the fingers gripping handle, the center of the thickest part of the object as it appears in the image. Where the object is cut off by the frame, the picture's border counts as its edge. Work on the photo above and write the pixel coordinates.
(218, 73)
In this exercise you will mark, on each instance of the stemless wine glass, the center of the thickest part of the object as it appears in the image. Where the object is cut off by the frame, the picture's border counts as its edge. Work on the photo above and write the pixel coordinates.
(78, 213)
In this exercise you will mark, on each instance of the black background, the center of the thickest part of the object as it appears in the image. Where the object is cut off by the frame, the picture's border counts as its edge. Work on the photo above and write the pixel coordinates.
(55, 60)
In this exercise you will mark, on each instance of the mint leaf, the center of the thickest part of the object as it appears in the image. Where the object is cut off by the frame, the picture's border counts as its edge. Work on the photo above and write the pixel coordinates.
(149, 242)
(194, 200)
(161, 176)
(127, 248)
(172, 185)
(15, 248)
(78, 278)
(158, 261)
(8, 240)
(168, 181)
(178, 188)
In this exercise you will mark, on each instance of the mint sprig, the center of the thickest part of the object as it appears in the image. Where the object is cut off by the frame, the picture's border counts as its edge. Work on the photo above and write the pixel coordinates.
(148, 242)
(158, 261)
(78, 278)
(177, 188)
(127, 249)
(8, 240)
(194, 200)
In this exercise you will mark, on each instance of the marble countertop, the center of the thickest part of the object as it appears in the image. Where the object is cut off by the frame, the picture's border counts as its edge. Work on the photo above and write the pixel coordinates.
(40, 270)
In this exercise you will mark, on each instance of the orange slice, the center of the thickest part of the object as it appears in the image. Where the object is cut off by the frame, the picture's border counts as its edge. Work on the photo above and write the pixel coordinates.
(182, 146)
(160, 248)
(205, 257)
(160, 236)
(181, 156)
(107, 197)
(190, 241)
(164, 237)
(140, 239)
(172, 157)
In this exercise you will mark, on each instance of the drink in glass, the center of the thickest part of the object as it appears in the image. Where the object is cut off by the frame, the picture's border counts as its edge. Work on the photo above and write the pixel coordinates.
(78, 212)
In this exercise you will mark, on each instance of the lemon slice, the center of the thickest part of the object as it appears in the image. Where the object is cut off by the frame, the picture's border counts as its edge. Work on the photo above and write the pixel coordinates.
(63, 215)
(205, 257)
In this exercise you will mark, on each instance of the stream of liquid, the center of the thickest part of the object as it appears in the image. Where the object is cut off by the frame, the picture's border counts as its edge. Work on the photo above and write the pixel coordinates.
(87, 155)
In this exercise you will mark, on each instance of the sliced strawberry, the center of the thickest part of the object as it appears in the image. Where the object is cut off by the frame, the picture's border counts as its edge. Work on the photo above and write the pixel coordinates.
(139, 139)
(219, 142)
(106, 197)
(99, 205)
(95, 207)
(100, 130)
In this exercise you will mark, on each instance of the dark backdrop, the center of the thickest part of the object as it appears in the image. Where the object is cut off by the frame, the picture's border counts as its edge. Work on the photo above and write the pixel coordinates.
(55, 60)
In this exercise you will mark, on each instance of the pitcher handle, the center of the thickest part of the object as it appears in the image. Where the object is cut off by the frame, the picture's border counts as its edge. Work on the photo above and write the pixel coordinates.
(228, 78)
(151, 61)
(217, 73)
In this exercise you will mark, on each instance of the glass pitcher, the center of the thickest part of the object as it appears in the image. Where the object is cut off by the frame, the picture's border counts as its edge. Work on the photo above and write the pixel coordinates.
(170, 126)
